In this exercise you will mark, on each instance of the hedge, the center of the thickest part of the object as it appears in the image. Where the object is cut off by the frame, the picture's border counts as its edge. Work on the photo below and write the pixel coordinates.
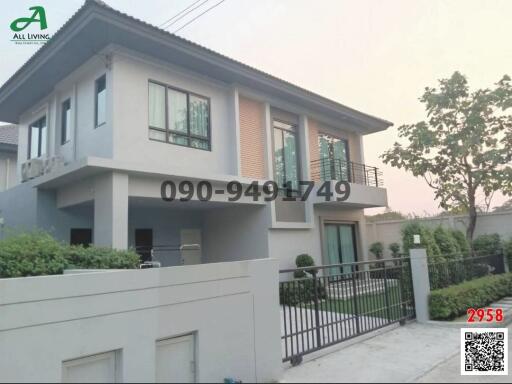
(449, 303)
(38, 253)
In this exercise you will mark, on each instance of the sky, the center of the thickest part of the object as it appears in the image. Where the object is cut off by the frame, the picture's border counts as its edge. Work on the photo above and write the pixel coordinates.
(375, 56)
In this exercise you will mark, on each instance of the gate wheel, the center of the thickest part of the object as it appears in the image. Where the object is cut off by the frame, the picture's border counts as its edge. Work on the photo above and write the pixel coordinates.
(296, 360)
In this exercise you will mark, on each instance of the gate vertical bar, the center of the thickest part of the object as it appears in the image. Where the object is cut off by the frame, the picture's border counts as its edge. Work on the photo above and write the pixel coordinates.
(317, 313)
(354, 298)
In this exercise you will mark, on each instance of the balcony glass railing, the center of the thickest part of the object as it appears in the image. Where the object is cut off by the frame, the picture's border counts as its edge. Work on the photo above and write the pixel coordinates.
(327, 169)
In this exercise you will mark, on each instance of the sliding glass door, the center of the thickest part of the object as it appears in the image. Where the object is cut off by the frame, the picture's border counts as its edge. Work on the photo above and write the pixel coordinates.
(340, 245)
(333, 158)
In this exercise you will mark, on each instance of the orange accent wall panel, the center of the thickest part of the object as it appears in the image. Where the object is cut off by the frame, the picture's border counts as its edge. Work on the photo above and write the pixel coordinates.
(252, 138)
(314, 153)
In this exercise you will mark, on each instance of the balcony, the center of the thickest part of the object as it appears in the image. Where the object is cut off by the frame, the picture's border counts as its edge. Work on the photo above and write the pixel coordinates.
(327, 169)
(366, 183)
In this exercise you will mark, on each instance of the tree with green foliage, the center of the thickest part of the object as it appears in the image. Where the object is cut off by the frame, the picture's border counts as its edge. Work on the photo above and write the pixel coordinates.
(384, 216)
(463, 149)
(461, 240)
(506, 206)
(427, 240)
(446, 243)
(488, 244)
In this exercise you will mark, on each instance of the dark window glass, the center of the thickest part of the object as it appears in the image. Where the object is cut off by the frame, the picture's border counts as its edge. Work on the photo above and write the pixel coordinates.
(37, 138)
(66, 121)
(101, 101)
(185, 122)
(286, 155)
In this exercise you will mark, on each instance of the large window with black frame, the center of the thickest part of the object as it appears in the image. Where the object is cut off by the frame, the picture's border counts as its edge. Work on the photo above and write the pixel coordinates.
(178, 117)
(37, 138)
(286, 161)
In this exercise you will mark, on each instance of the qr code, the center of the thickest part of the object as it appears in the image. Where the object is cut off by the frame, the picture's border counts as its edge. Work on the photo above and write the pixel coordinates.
(484, 351)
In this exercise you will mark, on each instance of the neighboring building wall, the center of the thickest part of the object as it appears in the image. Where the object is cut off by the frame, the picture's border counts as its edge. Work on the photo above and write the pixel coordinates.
(232, 309)
(252, 138)
(389, 232)
(8, 177)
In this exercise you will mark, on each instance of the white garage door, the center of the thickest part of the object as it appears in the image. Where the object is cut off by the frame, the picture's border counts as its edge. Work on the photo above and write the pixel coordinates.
(101, 368)
(175, 360)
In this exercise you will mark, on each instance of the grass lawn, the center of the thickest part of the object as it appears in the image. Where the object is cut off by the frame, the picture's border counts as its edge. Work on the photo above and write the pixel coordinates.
(373, 305)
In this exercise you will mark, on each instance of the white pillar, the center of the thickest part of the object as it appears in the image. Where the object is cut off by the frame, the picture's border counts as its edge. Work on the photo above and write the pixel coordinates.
(111, 210)
(420, 283)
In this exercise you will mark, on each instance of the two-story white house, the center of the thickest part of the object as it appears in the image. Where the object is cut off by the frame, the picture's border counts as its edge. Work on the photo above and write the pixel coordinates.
(111, 108)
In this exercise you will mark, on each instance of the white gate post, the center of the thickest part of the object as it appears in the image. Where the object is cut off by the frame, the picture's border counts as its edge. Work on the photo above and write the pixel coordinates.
(420, 283)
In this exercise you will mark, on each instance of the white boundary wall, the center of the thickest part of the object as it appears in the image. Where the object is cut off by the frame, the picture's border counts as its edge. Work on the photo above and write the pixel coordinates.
(389, 231)
(231, 308)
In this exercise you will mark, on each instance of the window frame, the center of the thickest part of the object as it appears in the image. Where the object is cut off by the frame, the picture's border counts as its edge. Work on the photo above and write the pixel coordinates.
(64, 137)
(189, 136)
(39, 139)
(96, 124)
(293, 130)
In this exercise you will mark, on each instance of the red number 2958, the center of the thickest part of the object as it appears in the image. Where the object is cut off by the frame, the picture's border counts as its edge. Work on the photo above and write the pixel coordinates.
(487, 315)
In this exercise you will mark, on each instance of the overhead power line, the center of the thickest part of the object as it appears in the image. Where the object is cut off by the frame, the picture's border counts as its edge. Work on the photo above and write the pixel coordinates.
(180, 15)
(198, 16)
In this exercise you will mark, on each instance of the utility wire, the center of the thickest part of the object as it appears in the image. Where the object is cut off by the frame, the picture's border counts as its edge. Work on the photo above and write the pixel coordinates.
(180, 15)
(198, 16)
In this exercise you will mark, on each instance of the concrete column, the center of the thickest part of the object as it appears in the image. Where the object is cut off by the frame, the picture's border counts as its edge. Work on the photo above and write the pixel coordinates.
(235, 117)
(111, 210)
(420, 283)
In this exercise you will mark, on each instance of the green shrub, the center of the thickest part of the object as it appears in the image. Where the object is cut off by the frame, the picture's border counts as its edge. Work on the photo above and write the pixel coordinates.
(454, 301)
(395, 250)
(100, 258)
(301, 292)
(461, 240)
(377, 249)
(302, 261)
(31, 254)
(448, 246)
(38, 253)
(427, 240)
(487, 244)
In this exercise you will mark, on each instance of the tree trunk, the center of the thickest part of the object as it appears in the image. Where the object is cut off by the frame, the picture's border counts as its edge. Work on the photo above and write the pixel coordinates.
(472, 223)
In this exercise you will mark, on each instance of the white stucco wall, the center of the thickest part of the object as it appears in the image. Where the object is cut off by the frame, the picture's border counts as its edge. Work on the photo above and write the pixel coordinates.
(286, 244)
(131, 133)
(232, 308)
(86, 139)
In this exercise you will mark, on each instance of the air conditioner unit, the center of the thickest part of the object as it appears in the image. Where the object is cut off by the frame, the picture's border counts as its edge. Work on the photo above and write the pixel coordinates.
(53, 163)
(31, 169)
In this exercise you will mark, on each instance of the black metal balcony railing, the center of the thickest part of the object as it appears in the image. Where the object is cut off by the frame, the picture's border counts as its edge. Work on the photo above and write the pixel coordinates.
(327, 169)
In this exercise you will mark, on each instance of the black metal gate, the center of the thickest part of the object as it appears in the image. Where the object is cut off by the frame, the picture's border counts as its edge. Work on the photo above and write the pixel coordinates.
(325, 305)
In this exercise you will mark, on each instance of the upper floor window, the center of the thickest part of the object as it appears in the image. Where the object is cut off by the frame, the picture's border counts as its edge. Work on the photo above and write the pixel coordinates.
(65, 121)
(334, 158)
(286, 161)
(100, 101)
(179, 117)
(37, 138)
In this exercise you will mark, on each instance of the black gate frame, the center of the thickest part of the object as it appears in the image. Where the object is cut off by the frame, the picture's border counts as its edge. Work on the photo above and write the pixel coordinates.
(375, 294)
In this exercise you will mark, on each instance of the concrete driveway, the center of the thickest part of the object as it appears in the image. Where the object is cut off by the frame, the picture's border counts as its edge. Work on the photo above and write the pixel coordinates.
(412, 353)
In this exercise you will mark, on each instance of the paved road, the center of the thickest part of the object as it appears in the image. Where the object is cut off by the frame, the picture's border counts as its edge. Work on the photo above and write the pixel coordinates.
(413, 353)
